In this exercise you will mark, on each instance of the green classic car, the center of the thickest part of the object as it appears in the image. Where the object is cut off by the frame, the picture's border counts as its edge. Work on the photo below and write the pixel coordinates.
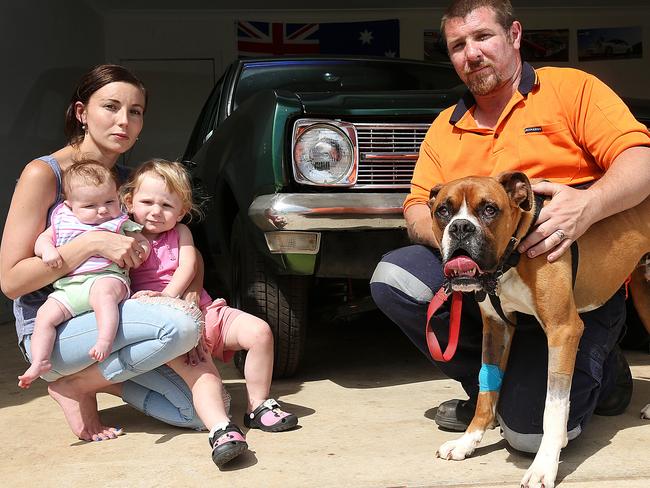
(305, 163)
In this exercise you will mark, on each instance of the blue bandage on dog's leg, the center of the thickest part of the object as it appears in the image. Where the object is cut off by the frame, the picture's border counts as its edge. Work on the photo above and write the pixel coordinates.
(490, 377)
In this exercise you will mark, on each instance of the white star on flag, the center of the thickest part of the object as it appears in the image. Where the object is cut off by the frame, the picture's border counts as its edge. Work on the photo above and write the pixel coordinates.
(390, 54)
(365, 37)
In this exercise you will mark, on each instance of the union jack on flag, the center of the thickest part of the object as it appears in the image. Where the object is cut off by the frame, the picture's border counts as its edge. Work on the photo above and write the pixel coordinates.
(276, 38)
(373, 37)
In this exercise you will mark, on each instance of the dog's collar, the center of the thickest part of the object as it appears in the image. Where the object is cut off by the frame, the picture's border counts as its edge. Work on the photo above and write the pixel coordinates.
(490, 281)
(510, 258)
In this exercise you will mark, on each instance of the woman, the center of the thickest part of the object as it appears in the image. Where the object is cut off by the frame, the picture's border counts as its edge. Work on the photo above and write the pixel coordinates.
(103, 121)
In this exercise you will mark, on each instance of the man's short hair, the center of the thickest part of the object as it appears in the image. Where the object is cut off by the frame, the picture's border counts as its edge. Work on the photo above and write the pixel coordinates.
(504, 13)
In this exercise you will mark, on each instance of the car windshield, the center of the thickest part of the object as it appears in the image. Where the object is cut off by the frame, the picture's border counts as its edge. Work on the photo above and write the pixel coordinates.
(341, 76)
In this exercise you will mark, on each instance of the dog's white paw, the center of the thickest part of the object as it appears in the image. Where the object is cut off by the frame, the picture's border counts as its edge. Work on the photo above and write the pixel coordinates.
(460, 448)
(541, 473)
(645, 412)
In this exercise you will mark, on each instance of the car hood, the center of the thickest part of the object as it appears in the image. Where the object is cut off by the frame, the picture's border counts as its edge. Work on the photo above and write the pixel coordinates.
(357, 103)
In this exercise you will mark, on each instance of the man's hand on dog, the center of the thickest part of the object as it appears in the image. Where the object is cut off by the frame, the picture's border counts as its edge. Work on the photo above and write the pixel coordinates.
(562, 220)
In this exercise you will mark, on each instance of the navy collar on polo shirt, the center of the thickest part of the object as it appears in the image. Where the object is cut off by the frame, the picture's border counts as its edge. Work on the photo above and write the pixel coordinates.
(526, 84)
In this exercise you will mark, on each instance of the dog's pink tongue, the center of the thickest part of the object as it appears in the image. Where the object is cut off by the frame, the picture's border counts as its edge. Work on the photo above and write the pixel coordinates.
(459, 265)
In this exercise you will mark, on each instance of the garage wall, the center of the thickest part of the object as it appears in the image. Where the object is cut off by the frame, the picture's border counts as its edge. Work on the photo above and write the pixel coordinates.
(190, 43)
(45, 48)
(629, 77)
(211, 34)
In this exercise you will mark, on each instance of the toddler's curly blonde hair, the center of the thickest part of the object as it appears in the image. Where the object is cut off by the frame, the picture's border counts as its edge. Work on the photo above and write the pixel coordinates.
(176, 178)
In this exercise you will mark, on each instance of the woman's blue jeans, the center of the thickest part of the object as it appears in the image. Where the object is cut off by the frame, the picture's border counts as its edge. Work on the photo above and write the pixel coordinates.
(148, 336)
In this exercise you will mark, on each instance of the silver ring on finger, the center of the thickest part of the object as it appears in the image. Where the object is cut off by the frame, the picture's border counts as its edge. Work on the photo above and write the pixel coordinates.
(560, 233)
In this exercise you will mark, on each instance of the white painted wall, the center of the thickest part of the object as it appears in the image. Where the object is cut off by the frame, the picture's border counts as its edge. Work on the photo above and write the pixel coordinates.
(45, 48)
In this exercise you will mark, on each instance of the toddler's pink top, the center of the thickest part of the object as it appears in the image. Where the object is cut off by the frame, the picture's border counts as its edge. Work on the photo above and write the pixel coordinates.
(157, 271)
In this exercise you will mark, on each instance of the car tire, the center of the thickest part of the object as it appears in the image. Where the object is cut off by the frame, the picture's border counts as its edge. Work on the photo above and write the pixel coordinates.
(280, 300)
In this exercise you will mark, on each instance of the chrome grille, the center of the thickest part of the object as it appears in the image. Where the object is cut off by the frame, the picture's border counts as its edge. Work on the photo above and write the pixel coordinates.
(387, 154)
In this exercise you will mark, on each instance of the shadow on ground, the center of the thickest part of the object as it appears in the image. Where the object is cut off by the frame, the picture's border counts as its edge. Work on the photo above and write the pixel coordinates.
(367, 351)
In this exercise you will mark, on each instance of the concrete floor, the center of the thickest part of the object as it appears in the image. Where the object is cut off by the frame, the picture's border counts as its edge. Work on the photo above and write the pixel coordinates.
(366, 400)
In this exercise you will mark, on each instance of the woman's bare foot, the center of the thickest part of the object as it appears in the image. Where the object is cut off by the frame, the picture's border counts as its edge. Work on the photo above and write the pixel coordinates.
(37, 369)
(80, 409)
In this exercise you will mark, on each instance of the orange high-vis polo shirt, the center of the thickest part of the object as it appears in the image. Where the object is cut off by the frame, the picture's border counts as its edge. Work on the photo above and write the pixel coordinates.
(561, 124)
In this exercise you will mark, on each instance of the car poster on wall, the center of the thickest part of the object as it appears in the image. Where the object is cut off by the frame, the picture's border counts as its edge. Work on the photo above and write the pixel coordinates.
(434, 46)
(545, 45)
(610, 43)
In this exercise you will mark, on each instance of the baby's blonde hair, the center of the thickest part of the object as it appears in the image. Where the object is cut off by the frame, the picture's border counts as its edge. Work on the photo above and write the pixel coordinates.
(175, 176)
(88, 172)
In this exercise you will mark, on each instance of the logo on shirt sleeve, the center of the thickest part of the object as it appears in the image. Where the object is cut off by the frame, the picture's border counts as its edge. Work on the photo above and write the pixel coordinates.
(528, 130)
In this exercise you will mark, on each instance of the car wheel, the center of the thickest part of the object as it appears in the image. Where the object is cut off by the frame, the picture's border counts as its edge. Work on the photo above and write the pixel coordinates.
(280, 300)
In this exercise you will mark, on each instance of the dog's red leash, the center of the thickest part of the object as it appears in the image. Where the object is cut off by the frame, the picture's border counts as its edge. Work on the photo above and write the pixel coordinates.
(454, 324)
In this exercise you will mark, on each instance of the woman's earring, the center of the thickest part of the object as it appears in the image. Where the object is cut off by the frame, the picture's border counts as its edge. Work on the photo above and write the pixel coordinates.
(84, 128)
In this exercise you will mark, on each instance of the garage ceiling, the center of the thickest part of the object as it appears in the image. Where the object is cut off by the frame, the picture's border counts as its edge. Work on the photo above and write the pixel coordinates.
(104, 6)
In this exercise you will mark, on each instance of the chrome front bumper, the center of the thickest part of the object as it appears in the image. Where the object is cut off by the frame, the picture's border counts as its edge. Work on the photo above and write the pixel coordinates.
(327, 211)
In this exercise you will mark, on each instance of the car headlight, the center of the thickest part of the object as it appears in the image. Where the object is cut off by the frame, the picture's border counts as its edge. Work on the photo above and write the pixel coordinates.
(324, 153)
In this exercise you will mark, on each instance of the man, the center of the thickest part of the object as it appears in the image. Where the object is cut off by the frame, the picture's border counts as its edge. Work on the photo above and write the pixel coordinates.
(562, 125)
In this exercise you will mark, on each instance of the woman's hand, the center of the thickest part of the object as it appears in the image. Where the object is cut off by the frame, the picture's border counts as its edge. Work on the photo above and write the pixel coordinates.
(148, 293)
(124, 251)
(199, 354)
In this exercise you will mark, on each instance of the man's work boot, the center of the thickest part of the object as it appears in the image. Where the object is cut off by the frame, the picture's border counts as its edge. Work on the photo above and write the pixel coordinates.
(617, 401)
(455, 415)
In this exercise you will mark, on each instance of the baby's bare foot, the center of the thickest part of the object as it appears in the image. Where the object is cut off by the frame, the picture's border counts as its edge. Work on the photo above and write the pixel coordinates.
(100, 350)
(80, 410)
(34, 371)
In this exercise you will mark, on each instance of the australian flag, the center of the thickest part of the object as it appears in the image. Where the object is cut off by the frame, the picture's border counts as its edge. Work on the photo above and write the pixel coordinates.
(375, 38)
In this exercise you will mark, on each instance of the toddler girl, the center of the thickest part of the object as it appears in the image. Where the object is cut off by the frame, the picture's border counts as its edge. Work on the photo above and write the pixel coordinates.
(158, 196)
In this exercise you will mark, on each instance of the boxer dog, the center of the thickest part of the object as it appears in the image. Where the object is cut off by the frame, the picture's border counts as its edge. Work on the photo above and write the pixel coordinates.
(478, 222)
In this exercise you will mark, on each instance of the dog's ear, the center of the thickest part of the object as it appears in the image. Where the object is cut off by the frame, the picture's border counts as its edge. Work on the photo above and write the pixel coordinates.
(433, 194)
(517, 186)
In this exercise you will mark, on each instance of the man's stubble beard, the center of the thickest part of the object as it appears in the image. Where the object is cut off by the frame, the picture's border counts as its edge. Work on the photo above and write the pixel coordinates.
(483, 83)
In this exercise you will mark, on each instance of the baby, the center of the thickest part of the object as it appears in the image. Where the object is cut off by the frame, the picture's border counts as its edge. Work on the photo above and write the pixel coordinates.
(91, 204)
